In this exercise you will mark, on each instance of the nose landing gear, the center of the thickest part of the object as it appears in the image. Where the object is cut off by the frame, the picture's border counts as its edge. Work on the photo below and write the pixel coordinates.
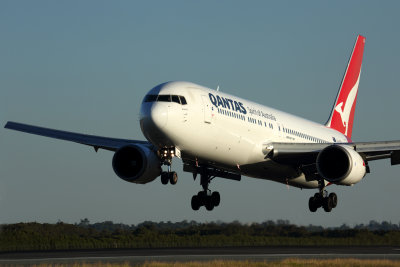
(166, 155)
(171, 177)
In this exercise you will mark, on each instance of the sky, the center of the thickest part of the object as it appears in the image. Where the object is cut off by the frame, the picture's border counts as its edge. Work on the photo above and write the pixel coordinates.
(85, 66)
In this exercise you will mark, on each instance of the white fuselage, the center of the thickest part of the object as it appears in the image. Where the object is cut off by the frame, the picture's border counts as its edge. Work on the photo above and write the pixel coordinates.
(228, 132)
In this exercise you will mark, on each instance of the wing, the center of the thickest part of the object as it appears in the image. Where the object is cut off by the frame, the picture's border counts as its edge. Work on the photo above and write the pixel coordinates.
(304, 155)
(308, 152)
(96, 142)
(379, 150)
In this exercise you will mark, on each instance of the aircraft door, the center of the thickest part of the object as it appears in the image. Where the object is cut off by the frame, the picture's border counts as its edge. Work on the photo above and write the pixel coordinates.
(206, 109)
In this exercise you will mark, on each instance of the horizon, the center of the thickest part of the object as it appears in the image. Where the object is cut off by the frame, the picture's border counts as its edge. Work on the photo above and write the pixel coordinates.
(218, 222)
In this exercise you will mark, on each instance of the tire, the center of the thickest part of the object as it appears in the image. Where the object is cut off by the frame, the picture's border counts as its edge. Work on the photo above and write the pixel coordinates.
(173, 177)
(327, 204)
(318, 200)
(202, 195)
(164, 178)
(334, 199)
(209, 203)
(195, 202)
(312, 205)
(202, 198)
(216, 198)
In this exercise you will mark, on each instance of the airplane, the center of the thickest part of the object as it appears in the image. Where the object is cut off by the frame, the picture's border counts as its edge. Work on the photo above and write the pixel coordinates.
(216, 134)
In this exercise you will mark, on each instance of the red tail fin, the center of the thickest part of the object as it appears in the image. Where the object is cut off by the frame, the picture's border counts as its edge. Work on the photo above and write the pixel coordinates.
(342, 114)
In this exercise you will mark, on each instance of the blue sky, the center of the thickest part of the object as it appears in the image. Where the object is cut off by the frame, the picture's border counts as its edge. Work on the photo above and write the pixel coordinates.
(85, 66)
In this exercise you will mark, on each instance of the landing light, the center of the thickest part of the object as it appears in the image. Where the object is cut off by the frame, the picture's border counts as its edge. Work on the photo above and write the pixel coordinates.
(165, 152)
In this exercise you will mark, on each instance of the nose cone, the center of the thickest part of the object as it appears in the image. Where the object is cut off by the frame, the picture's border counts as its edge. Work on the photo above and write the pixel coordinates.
(159, 114)
(153, 117)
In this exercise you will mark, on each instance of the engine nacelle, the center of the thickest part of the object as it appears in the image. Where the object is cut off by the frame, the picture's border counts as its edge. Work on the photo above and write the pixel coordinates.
(340, 164)
(136, 164)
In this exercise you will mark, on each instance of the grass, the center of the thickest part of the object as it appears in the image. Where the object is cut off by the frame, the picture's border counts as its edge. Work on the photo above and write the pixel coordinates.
(221, 263)
(283, 263)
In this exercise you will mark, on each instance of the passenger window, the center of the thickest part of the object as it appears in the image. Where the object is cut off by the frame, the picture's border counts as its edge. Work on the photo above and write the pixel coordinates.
(175, 99)
(183, 100)
(164, 98)
(150, 98)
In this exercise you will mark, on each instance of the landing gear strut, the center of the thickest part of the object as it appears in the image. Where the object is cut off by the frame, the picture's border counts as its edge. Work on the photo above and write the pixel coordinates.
(206, 197)
(322, 199)
(166, 155)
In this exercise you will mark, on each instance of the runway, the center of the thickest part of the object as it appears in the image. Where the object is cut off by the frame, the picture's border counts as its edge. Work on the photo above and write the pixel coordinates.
(137, 256)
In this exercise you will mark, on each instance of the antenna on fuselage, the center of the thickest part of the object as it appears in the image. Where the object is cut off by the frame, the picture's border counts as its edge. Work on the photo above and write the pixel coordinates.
(218, 88)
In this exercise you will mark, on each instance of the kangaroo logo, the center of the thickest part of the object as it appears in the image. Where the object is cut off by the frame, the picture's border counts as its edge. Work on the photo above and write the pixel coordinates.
(344, 112)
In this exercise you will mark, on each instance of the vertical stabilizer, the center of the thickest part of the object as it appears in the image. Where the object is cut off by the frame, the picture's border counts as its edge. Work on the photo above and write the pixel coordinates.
(342, 115)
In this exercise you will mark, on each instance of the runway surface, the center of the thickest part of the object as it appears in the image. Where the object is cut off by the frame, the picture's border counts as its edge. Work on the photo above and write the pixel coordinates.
(137, 256)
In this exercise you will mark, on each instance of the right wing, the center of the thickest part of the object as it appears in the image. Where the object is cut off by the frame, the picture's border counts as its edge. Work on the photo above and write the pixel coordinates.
(306, 153)
(112, 144)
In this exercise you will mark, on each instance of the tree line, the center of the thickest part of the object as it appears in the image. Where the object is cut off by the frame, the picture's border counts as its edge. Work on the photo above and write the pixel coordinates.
(109, 235)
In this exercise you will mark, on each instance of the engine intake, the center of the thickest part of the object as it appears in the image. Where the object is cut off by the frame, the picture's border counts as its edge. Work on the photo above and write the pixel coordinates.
(340, 164)
(136, 164)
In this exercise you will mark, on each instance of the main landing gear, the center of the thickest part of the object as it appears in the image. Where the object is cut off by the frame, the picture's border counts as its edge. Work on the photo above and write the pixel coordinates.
(166, 155)
(206, 197)
(322, 199)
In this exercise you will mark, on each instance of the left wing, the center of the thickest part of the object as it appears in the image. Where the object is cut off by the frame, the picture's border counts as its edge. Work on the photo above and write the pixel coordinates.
(112, 144)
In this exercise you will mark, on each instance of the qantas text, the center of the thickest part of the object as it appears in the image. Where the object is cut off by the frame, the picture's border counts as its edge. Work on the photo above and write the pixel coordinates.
(221, 102)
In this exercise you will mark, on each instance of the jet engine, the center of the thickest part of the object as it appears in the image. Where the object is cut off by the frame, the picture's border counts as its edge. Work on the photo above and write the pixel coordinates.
(136, 164)
(340, 164)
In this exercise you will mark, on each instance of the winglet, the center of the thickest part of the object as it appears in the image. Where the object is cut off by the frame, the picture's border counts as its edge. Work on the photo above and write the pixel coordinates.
(342, 115)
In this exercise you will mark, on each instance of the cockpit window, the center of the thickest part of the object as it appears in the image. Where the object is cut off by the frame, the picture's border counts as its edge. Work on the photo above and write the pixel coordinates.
(150, 98)
(175, 99)
(166, 98)
(183, 100)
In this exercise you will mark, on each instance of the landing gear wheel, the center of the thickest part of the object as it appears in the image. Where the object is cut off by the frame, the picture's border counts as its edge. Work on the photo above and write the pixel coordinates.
(195, 202)
(333, 198)
(164, 178)
(206, 197)
(166, 154)
(312, 204)
(202, 197)
(216, 198)
(328, 202)
(173, 177)
(318, 200)
(328, 205)
(209, 203)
